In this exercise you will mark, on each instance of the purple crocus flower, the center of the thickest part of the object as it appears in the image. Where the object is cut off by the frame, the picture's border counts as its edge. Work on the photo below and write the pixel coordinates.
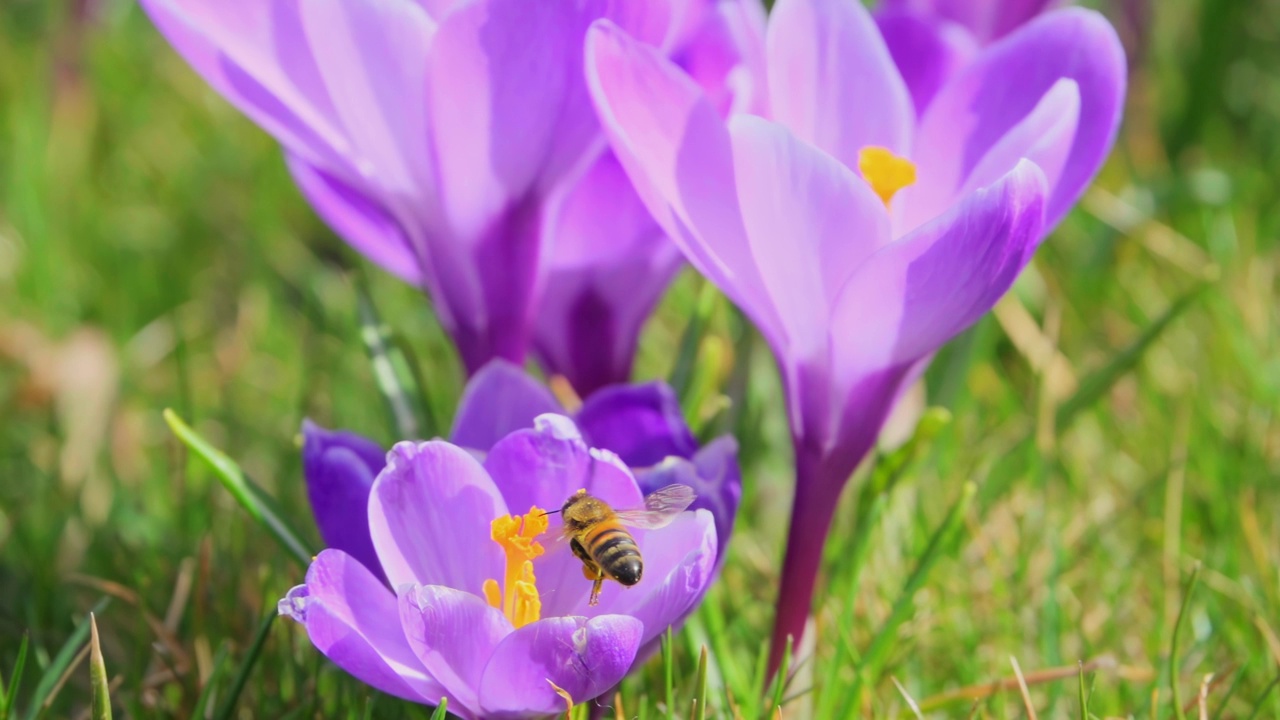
(453, 143)
(641, 424)
(479, 609)
(931, 40)
(799, 220)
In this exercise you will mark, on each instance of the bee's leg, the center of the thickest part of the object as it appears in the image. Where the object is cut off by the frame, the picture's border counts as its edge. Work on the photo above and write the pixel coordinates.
(595, 589)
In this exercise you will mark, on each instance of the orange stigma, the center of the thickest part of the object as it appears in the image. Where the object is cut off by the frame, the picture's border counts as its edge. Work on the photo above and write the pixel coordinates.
(885, 172)
(518, 597)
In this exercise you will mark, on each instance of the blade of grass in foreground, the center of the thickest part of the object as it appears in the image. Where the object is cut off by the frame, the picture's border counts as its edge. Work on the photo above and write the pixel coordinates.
(442, 710)
(8, 694)
(1175, 645)
(250, 497)
(877, 652)
(395, 372)
(62, 662)
(246, 667)
(98, 675)
(201, 711)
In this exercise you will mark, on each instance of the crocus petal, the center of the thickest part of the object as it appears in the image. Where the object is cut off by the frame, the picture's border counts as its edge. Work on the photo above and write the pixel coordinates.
(249, 52)
(987, 19)
(362, 223)
(927, 51)
(1043, 137)
(498, 400)
(679, 564)
(916, 294)
(724, 53)
(790, 190)
(674, 147)
(340, 468)
(543, 467)
(508, 112)
(1005, 84)
(351, 617)
(608, 265)
(580, 656)
(429, 515)
(453, 633)
(714, 475)
(832, 80)
(641, 423)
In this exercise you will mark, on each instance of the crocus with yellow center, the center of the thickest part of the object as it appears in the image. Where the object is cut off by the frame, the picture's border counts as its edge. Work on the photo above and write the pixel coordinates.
(453, 603)
(785, 210)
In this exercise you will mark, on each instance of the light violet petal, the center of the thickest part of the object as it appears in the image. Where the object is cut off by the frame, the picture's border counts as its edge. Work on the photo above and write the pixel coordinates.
(1043, 137)
(453, 633)
(255, 54)
(363, 224)
(810, 221)
(927, 51)
(351, 617)
(641, 423)
(724, 53)
(987, 19)
(542, 467)
(609, 263)
(371, 58)
(429, 516)
(580, 656)
(676, 150)
(916, 294)
(509, 111)
(832, 80)
(1006, 82)
(498, 400)
(339, 468)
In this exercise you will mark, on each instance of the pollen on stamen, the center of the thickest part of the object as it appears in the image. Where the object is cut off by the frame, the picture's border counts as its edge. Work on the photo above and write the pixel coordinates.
(885, 172)
(517, 595)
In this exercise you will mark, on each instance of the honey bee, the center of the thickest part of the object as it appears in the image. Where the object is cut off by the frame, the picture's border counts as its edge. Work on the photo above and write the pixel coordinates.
(598, 537)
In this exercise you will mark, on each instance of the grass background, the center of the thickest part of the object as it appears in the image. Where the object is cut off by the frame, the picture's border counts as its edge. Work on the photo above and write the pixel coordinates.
(154, 254)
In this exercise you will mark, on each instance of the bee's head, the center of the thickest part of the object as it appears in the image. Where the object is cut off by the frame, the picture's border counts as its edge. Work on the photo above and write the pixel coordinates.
(574, 499)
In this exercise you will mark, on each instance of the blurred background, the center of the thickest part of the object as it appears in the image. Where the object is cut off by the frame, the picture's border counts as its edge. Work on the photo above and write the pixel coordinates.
(1118, 411)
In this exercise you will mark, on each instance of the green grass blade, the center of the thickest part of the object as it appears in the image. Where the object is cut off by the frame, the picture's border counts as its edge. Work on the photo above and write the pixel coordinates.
(880, 645)
(780, 682)
(691, 341)
(1084, 700)
(700, 692)
(201, 710)
(1175, 645)
(1257, 707)
(250, 497)
(442, 710)
(228, 707)
(9, 694)
(61, 663)
(1096, 385)
(669, 672)
(395, 372)
(98, 675)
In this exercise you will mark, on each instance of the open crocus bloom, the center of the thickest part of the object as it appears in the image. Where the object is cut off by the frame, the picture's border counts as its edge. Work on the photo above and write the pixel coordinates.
(483, 607)
(858, 239)
(641, 424)
(452, 142)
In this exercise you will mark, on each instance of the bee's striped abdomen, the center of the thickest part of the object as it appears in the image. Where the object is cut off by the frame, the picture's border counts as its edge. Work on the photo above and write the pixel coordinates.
(615, 551)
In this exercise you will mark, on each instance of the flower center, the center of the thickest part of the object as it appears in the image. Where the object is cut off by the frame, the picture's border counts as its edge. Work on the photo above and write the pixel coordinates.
(885, 172)
(517, 597)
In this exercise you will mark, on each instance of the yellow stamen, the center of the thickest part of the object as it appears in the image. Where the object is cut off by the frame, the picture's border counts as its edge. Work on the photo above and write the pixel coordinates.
(517, 597)
(885, 172)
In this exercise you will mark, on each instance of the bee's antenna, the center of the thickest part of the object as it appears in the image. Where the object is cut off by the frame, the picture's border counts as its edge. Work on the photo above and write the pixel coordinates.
(550, 512)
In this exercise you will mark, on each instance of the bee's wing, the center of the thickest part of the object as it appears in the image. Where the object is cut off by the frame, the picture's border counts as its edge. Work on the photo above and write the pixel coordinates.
(660, 508)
